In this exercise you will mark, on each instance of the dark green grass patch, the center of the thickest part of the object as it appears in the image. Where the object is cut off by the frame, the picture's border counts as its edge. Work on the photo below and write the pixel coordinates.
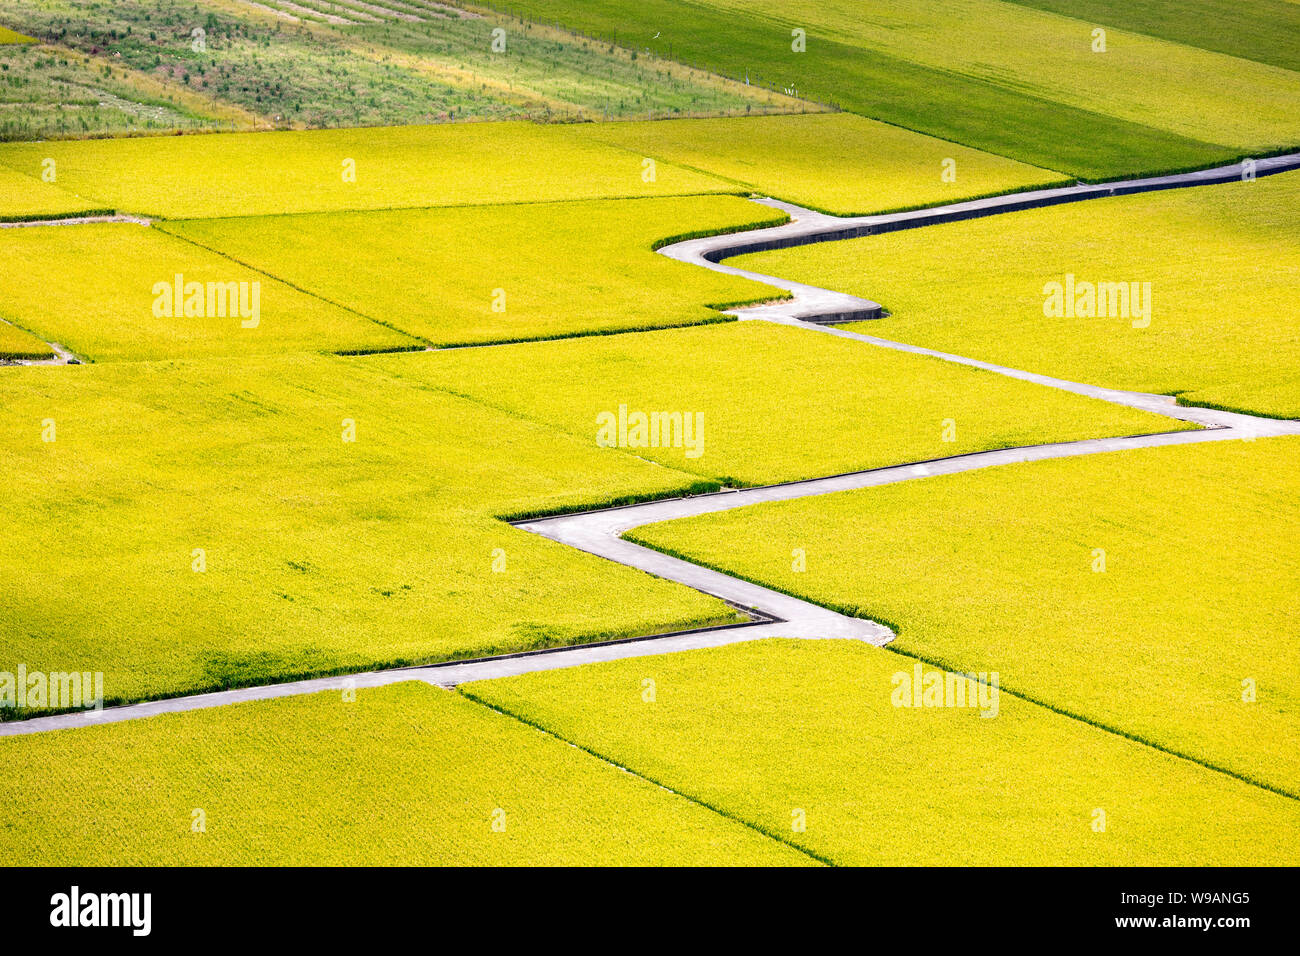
(959, 108)
(1267, 31)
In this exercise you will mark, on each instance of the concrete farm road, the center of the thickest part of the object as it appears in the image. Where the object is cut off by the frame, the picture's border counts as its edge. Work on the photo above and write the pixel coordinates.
(778, 615)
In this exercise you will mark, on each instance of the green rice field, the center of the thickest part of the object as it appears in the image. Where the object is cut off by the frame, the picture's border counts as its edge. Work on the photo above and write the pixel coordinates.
(226, 532)
(1157, 83)
(498, 273)
(137, 308)
(1014, 101)
(763, 418)
(877, 784)
(244, 174)
(380, 780)
(371, 363)
(24, 197)
(17, 344)
(837, 162)
(1219, 332)
(1267, 31)
(1145, 591)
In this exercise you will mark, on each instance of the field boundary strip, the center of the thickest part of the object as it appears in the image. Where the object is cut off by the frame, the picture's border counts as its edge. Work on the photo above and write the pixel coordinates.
(742, 192)
(601, 531)
(418, 343)
(65, 219)
(609, 761)
(75, 219)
